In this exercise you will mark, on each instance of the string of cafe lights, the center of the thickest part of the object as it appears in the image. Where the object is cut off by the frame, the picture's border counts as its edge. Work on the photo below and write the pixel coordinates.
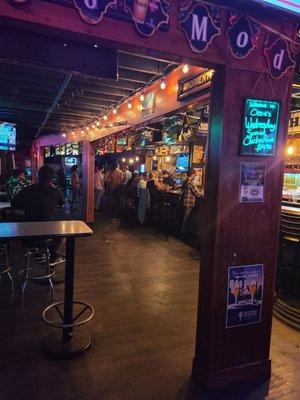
(96, 124)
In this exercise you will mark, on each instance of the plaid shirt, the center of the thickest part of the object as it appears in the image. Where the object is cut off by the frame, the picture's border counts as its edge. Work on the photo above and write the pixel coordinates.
(189, 193)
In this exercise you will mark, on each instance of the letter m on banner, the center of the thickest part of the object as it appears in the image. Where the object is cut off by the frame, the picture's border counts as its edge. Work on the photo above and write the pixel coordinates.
(199, 23)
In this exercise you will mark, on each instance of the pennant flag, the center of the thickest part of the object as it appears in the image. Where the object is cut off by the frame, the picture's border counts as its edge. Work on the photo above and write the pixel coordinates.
(242, 34)
(278, 55)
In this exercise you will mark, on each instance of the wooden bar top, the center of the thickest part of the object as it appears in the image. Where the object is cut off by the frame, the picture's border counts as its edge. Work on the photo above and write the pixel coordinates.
(19, 230)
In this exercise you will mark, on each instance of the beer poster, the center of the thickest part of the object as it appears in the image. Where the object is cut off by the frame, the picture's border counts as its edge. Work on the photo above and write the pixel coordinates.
(252, 182)
(244, 295)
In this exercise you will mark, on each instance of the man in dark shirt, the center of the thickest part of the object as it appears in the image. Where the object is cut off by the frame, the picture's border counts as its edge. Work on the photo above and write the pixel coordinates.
(39, 202)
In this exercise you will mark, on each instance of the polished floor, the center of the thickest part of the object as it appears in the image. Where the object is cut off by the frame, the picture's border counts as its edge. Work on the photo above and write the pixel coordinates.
(143, 287)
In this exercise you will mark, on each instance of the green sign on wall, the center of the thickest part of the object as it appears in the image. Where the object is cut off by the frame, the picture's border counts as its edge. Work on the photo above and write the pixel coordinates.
(260, 127)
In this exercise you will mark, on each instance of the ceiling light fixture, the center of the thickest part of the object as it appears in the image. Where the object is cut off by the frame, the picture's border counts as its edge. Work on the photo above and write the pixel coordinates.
(163, 84)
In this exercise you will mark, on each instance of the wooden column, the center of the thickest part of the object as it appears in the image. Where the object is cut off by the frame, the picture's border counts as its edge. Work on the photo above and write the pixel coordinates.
(226, 355)
(88, 170)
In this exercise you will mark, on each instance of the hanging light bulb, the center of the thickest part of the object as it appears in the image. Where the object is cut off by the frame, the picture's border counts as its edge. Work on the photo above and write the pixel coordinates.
(87, 128)
(115, 110)
(93, 126)
(73, 133)
(105, 117)
(163, 84)
(185, 69)
(137, 158)
(82, 131)
(63, 135)
(129, 105)
(97, 123)
(154, 158)
(131, 161)
(123, 159)
(142, 97)
(290, 150)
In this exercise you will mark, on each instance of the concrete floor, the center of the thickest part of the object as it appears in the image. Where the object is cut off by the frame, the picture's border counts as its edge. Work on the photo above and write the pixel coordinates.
(144, 291)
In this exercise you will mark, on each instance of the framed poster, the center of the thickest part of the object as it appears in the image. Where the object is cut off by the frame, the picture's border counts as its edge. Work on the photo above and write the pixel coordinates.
(244, 295)
(252, 182)
(260, 127)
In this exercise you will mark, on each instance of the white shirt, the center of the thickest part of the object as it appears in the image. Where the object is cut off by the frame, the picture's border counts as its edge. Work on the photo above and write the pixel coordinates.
(127, 176)
(142, 184)
(99, 180)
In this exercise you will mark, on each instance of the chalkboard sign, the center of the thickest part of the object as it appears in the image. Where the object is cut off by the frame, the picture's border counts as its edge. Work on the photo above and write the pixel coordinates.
(260, 127)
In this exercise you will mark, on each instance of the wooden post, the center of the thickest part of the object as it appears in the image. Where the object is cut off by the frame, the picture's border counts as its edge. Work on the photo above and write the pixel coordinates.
(88, 170)
(227, 355)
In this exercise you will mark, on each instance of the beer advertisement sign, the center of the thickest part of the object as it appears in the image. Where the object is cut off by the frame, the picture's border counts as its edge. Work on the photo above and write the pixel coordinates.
(244, 295)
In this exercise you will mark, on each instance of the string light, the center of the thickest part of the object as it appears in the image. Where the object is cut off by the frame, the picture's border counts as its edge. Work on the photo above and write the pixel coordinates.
(114, 110)
(105, 117)
(185, 69)
(136, 158)
(163, 84)
(87, 128)
(131, 161)
(123, 159)
(93, 126)
(97, 123)
(154, 158)
(142, 97)
(129, 105)
(73, 133)
(63, 135)
(82, 131)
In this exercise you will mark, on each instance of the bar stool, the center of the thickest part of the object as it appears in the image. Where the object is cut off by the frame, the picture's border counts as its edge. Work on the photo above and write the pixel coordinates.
(5, 267)
(37, 261)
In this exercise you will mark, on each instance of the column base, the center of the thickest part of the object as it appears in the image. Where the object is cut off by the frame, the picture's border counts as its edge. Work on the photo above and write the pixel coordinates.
(225, 377)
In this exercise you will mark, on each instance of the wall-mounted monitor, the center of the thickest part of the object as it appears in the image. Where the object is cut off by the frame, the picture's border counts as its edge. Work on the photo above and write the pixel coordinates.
(7, 136)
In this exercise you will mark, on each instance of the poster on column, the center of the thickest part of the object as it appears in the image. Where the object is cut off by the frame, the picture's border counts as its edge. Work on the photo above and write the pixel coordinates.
(252, 182)
(244, 295)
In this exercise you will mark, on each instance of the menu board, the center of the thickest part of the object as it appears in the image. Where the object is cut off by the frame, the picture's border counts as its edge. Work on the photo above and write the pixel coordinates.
(260, 127)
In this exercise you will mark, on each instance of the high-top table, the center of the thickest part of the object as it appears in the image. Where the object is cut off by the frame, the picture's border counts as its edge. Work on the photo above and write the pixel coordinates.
(67, 344)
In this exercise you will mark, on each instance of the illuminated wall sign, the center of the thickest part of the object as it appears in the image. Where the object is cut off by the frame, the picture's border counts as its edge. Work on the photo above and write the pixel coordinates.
(194, 84)
(294, 125)
(288, 5)
(260, 127)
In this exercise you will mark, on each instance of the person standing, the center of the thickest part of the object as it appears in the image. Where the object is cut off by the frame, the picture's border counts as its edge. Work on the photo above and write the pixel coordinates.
(127, 175)
(99, 186)
(189, 194)
(61, 181)
(75, 184)
(115, 179)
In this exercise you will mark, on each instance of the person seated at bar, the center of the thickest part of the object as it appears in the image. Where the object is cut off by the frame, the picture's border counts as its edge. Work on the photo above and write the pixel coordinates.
(16, 183)
(189, 194)
(39, 202)
(168, 179)
(153, 188)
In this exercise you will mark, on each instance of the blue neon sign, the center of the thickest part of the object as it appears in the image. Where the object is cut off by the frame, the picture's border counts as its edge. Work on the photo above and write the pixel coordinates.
(288, 5)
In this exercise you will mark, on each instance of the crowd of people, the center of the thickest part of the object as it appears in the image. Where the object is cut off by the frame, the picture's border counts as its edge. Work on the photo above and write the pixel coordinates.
(117, 186)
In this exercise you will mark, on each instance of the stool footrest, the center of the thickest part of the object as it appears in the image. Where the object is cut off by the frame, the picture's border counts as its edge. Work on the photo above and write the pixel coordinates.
(86, 308)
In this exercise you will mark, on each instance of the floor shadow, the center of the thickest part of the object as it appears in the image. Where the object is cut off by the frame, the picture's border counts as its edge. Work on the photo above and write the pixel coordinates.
(255, 390)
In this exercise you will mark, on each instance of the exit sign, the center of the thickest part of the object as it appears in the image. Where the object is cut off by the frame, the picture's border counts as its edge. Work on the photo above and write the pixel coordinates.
(260, 127)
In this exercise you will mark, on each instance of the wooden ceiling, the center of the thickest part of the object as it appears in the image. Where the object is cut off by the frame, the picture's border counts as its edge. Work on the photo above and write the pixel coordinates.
(27, 94)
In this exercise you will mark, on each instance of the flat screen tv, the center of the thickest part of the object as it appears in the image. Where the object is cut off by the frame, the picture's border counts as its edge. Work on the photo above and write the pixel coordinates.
(7, 136)
(182, 162)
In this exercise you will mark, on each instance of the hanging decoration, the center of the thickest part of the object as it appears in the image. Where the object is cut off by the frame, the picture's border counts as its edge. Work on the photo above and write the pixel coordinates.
(200, 24)
(278, 55)
(149, 15)
(242, 34)
(92, 11)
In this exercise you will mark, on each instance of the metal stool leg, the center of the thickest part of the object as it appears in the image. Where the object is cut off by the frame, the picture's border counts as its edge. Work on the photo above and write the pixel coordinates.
(8, 259)
(48, 272)
(24, 284)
